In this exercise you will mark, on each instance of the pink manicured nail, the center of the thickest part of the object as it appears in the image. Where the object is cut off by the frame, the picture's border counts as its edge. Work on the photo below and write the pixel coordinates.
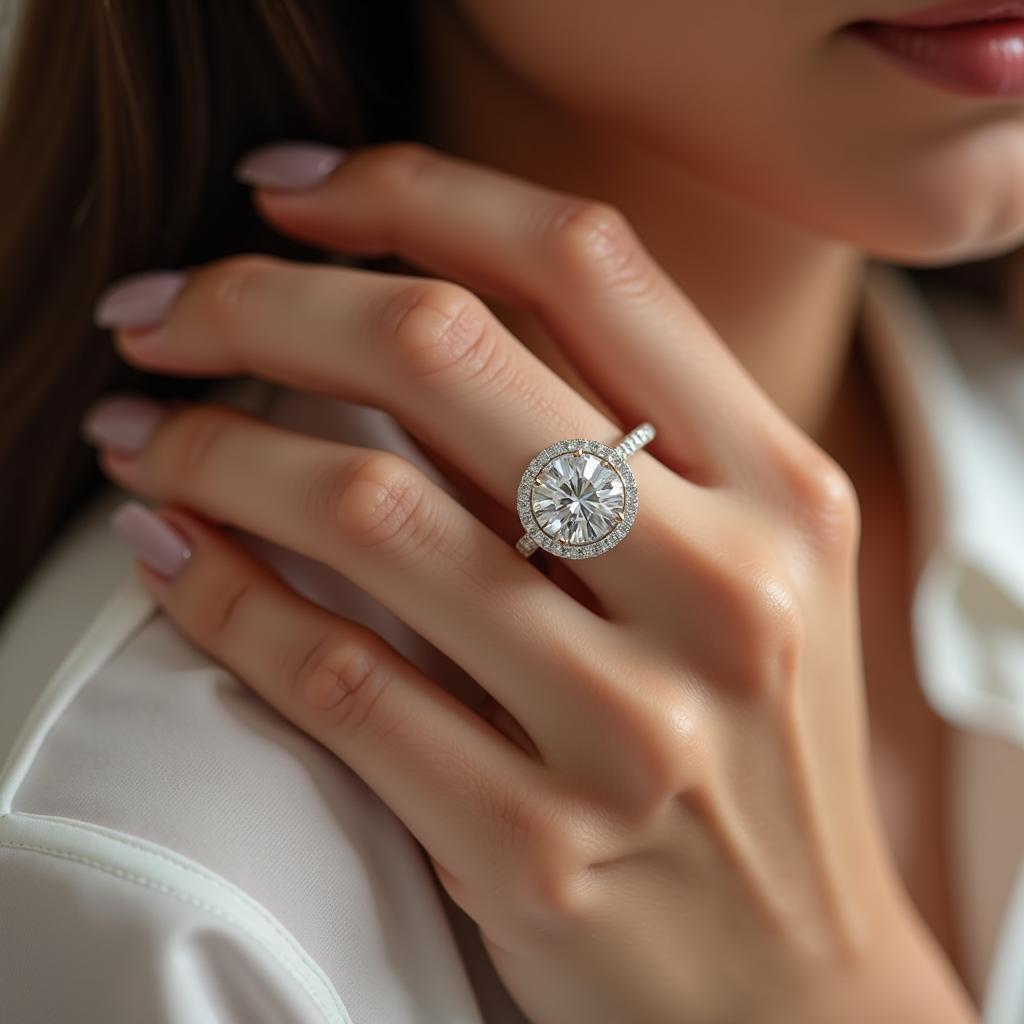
(288, 165)
(123, 422)
(152, 538)
(139, 300)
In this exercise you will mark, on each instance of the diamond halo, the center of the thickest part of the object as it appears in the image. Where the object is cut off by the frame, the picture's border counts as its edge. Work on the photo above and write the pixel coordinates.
(577, 499)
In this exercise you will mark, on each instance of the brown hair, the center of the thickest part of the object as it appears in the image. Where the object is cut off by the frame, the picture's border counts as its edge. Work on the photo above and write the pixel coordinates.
(122, 122)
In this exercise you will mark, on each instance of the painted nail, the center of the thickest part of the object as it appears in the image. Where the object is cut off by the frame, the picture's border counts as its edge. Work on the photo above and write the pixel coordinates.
(139, 300)
(152, 538)
(124, 422)
(288, 165)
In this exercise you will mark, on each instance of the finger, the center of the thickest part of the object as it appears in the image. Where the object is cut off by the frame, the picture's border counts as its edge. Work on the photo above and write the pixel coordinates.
(429, 352)
(441, 768)
(384, 525)
(631, 333)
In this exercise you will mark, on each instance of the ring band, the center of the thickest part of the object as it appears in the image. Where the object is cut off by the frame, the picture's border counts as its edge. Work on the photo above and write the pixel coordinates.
(577, 498)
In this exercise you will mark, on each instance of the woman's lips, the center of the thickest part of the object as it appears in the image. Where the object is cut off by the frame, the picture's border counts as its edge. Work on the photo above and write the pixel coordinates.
(983, 57)
(959, 11)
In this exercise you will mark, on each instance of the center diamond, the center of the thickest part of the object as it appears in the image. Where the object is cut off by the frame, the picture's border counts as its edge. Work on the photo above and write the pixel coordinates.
(577, 498)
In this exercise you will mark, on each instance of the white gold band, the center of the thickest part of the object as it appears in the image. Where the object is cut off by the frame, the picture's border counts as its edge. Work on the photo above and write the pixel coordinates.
(635, 440)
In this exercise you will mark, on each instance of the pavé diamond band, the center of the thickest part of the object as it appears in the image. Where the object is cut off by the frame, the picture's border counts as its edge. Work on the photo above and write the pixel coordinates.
(577, 498)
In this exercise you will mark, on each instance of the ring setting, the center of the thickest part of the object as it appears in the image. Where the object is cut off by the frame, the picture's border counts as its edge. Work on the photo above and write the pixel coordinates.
(578, 498)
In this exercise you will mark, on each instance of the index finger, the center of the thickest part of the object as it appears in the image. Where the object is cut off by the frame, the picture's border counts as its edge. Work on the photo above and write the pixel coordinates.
(629, 330)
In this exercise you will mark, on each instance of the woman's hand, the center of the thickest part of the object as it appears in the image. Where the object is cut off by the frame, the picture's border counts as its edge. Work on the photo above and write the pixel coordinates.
(678, 824)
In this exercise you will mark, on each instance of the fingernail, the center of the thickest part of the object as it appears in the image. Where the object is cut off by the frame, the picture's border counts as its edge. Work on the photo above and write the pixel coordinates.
(123, 422)
(139, 300)
(152, 538)
(288, 165)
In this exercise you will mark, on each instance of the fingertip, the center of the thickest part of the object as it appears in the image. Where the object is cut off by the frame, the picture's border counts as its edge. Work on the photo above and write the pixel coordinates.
(188, 524)
(288, 167)
(153, 538)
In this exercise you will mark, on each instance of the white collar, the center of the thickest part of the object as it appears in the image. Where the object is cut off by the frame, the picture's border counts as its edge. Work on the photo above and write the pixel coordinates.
(952, 373)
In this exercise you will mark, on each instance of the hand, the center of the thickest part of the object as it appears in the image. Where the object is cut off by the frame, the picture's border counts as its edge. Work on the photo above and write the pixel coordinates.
(684, 829)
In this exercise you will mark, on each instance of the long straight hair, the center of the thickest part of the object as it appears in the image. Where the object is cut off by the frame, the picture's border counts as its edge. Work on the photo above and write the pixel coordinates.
(121, 122)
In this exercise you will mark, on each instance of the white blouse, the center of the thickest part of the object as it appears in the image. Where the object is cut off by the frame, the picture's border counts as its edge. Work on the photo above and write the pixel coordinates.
(172, 850)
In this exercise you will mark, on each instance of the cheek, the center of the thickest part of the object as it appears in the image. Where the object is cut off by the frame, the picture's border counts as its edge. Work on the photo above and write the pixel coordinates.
(706, 81)
(774, 104)
(606, 57)
(944, 202)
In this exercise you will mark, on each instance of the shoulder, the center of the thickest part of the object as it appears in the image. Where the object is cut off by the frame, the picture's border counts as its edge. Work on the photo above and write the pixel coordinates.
(154, 809)
(98, 928)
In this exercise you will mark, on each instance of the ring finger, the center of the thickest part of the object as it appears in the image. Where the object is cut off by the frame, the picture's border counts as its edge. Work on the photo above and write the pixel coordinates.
(432, 354)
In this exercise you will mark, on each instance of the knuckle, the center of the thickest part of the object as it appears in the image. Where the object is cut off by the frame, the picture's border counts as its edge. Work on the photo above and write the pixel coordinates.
(824, 497)
(533, 838)
(548, 892)
(219, 606)
(659, 752)
(383, 504)
(519, 815)
(197, 435)
(594, 245)
(342, 682)
(653, 732)
(230, 284)
(666, 757)
(832, 503)
(442, 330)
(397, 167)
(767, 625)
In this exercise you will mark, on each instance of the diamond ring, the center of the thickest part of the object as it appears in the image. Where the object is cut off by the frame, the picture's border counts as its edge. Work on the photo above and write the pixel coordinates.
(577, 498)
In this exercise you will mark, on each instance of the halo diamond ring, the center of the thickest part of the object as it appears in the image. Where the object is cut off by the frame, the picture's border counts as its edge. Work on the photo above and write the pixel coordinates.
(577, 498)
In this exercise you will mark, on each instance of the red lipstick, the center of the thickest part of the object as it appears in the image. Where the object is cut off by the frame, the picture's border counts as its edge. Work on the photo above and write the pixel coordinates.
(971, 47)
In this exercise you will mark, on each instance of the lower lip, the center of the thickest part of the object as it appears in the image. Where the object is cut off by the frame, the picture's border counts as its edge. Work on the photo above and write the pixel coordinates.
(980, 58)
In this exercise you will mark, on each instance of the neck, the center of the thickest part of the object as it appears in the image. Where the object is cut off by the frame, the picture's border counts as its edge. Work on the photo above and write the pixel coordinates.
(783, 300)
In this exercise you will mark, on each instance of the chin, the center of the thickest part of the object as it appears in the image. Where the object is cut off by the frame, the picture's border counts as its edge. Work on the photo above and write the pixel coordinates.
(923, 203)
(957, 198)
(925, 253)
(929, 227)
(927, 213)
(932, 235)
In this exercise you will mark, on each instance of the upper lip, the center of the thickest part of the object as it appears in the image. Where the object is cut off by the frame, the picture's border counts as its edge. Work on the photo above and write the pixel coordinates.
(956, 12)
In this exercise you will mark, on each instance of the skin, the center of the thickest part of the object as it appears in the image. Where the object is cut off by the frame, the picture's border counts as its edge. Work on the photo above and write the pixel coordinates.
(730, 863)
(909, 741)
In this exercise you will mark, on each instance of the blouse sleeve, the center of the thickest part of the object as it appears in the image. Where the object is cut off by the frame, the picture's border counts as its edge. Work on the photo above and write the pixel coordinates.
(82, 940)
